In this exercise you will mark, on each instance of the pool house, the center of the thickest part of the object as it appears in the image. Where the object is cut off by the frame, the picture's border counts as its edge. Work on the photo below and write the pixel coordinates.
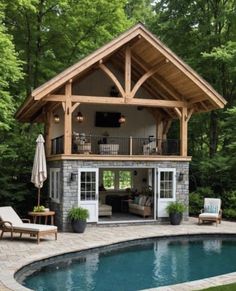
(109, 135)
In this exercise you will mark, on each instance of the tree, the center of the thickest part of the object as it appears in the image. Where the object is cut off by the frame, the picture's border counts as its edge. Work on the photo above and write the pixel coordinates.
(51, 35)
(10, 73)
(203, 28)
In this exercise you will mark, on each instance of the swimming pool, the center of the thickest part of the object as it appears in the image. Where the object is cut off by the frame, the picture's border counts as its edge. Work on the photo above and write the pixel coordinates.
(134, 265)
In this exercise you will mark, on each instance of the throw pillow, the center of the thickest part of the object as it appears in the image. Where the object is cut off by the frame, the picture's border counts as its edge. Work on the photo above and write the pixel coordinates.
(136, 200)
(148, 202)
(211, 209)
(144, 200)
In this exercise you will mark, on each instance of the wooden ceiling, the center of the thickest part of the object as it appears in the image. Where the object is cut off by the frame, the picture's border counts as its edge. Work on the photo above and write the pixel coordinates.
(172, 78)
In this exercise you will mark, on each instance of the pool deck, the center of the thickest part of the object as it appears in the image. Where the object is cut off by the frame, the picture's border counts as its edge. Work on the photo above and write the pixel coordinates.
(18, 252)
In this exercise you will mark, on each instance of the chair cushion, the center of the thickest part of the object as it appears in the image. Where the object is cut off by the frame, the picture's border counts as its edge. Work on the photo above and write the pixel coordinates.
(7, 213)
(105, 207)
(210, 215)
(34, 227)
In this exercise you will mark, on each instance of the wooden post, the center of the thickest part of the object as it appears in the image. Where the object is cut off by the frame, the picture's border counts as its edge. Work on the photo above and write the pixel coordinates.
(130, 145)
(128, 72)
(48, 133)
(184, 132)
(159, 135)
(68, 120)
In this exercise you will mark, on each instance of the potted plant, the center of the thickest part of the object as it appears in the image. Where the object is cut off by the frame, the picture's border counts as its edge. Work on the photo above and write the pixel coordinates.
(78, 217)
(175, 211)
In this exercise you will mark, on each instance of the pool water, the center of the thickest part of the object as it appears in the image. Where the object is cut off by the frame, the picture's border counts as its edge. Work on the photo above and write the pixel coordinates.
(134, 266)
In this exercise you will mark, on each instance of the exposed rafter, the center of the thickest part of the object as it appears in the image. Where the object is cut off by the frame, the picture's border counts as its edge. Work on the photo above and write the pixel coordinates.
(109, 73)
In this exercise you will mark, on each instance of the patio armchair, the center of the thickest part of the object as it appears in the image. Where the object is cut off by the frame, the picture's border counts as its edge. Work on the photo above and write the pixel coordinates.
(11, 222)
(212, 211)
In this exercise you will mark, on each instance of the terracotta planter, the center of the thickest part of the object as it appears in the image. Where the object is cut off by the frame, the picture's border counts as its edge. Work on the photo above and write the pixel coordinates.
(175, 218)
(78, 225)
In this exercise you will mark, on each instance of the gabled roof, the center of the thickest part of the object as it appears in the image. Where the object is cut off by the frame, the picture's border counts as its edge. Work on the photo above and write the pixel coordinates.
(174, 79)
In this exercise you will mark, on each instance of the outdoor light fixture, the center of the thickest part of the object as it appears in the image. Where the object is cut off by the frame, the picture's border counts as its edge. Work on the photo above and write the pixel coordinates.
(122, 119)
(181, 177)
(114, 92)
(56, 118)
(73, 177)
(79, 117)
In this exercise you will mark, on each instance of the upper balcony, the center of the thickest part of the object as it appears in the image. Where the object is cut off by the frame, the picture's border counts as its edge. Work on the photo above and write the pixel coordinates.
(91, 146)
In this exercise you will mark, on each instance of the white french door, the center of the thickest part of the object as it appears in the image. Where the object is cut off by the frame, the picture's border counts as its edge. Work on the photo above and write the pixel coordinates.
(88, 191)
(166, 189)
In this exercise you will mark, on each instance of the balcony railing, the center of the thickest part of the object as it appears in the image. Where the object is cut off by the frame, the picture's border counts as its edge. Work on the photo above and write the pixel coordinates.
(111, 145)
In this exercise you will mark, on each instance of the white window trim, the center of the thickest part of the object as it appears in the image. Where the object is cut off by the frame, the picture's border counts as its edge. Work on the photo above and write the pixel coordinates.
(81, 170)
(173, 170)
(51, 172)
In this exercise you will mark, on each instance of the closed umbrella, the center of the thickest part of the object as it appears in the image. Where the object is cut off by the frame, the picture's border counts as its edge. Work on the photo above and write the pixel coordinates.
(39, 171)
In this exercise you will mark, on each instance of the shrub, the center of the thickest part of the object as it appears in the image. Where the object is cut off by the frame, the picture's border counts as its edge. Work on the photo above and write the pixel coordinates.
(229, 200)
(229, 213)
(78, 213)
(195, 203)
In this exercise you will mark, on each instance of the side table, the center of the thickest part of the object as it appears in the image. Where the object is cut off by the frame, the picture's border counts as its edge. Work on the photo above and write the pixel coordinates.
(45, 214)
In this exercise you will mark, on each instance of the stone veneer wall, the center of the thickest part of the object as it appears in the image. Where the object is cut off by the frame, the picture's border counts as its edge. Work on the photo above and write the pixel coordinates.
(69, 190)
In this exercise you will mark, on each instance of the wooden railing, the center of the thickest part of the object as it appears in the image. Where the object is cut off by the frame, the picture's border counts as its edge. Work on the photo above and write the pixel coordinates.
(112, 145)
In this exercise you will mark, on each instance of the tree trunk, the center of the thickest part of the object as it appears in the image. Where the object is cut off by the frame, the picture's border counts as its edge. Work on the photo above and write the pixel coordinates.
(38, 43)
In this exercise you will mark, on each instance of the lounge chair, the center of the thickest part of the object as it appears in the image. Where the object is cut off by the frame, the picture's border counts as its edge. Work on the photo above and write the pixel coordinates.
(11, 222)
(212, 211)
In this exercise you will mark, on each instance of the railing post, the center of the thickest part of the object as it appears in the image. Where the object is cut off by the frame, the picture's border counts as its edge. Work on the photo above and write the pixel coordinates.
(130, 146)
(48, 133)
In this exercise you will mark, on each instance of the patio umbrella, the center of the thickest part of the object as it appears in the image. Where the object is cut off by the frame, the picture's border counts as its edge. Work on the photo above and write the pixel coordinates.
(39, 171)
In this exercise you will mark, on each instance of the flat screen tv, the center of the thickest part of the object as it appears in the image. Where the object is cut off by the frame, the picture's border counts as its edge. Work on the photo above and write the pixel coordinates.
(107, 119)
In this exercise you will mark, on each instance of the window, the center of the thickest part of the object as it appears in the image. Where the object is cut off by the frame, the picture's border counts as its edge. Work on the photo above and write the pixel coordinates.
(125, 180)
(108, 180)
(167, 184)
(117, 179)
(88, 186)
(55, 184)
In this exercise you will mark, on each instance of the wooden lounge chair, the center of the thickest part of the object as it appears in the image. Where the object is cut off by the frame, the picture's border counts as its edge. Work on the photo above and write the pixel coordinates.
(11, 222)
(212, 211)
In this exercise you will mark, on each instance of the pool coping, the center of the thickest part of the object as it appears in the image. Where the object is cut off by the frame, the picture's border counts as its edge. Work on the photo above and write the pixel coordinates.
(8, 278)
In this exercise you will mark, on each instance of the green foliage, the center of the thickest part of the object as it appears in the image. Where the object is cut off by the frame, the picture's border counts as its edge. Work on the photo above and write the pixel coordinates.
(229, 213)
(195, 203)
(78, 213)
(175, 207)
(228, 287)
(40, 208)
(10, 73)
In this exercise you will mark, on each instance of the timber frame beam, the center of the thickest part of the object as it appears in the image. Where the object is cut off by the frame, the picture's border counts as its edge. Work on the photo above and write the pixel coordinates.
(68, 119)
(117, 101)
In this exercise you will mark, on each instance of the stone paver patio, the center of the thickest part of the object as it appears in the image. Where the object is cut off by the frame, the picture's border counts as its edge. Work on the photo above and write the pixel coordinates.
(18, 252)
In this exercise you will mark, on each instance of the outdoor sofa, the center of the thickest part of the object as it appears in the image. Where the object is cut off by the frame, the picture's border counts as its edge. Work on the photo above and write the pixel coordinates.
(11, 222)
(141, 205)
